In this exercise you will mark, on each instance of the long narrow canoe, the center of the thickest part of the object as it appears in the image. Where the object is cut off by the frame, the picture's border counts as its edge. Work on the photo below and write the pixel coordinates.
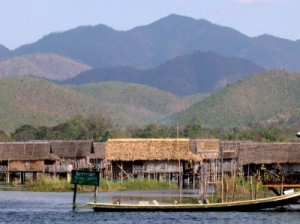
(247, 205)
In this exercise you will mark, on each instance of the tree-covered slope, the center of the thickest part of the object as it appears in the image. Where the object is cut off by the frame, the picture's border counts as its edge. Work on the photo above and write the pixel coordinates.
(139, 97)
(27, 100)
(267, 98)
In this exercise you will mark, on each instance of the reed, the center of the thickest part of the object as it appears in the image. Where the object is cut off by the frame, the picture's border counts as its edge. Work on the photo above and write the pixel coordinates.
(136, 184)
(52, 183)
(48, 183)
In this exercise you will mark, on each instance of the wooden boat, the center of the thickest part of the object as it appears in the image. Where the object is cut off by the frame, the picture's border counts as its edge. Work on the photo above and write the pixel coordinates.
(247, 205)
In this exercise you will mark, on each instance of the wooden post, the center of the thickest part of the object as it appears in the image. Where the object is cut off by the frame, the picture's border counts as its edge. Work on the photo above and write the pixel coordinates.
(222, 176)
(7, 177)
(282, 181)
(122, 171)
(256, 185)
(234, 181)
(194, 186)
(226, 189)
(95, 194)
(251, 188)
(74, 197)
(180, 182)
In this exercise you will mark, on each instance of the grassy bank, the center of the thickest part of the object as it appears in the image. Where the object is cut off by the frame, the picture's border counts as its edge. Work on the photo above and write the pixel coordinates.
(47, 183)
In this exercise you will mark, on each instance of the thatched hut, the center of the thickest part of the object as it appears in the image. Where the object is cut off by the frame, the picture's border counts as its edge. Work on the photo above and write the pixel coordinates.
(19, 158)
(209, 150)
(271, 160)
(228, 154)
(73, 155)
(97, 159)
(150, 158)
(218, 156)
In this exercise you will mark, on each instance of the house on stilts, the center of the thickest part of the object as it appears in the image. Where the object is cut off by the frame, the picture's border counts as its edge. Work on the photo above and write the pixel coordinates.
(22, 160)
(159, 159)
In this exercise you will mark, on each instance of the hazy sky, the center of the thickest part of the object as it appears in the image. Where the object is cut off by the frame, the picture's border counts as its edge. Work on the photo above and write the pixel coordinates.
(26, 21)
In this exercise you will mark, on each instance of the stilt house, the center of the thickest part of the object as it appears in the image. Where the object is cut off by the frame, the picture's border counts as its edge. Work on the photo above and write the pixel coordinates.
(164, 159)
(273, 161)
(18, 159)
(72, 154)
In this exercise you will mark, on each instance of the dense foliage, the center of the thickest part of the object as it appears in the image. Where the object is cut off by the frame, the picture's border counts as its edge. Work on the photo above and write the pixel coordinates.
(94, 127)
(99, 129)
(263, 100)
(27, 100)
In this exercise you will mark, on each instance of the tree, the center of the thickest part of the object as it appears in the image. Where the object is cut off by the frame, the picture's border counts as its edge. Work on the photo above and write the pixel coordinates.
(98, 128)
(193, 130)
(25, 133)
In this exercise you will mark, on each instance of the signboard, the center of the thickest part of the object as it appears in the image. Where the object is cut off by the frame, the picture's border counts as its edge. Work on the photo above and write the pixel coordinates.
(83, 177)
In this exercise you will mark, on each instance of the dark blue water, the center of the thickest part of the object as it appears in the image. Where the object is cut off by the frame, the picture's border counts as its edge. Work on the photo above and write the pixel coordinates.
(39, 207)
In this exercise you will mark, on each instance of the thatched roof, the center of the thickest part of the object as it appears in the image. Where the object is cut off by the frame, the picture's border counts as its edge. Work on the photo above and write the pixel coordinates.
(72, 149)
(21, 151)
(267, 153)
(100, 149)
(207, 145)
(149, 149)
(207, 148)
(230, 148)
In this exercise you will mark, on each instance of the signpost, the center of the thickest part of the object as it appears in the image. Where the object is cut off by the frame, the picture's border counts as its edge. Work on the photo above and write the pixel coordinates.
(84, 177)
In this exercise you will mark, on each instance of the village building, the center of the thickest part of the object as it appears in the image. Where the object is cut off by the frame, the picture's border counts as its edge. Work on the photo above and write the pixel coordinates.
(98, 160)
(21, 159)
(183, 161)
(159, 159)
(276, 163)
(72, 154)
(209, 171)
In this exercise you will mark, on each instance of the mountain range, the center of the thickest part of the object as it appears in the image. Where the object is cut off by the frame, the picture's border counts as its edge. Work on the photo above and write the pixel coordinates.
(200, 72)
(150, 45)
(176, 69)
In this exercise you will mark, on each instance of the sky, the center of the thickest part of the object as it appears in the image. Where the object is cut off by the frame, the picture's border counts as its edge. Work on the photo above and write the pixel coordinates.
(26, 21)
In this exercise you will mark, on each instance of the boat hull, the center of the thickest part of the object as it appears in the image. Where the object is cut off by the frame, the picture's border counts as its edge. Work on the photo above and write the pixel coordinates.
(244, 206)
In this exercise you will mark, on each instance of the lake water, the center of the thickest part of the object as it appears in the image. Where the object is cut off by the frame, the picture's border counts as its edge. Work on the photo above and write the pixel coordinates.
(40, 207)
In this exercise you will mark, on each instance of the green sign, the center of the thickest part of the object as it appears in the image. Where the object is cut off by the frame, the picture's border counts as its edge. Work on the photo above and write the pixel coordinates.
(83, 177)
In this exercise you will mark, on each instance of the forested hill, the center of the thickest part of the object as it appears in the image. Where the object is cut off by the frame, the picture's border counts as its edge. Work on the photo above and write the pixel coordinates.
(200, 72)
(27, 100)
(151, 45)
(268, 98)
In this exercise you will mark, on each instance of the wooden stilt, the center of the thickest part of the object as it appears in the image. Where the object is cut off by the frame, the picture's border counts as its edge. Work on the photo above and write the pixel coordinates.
(95, 194)
(74, 197)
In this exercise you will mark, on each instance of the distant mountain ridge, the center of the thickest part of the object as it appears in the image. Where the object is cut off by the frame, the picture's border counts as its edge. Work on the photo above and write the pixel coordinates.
(151, 45)
(200, 72)
(4, 52)
(47, 66)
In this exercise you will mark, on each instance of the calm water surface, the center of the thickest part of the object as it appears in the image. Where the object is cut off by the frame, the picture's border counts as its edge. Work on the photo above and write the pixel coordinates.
(40, 207)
